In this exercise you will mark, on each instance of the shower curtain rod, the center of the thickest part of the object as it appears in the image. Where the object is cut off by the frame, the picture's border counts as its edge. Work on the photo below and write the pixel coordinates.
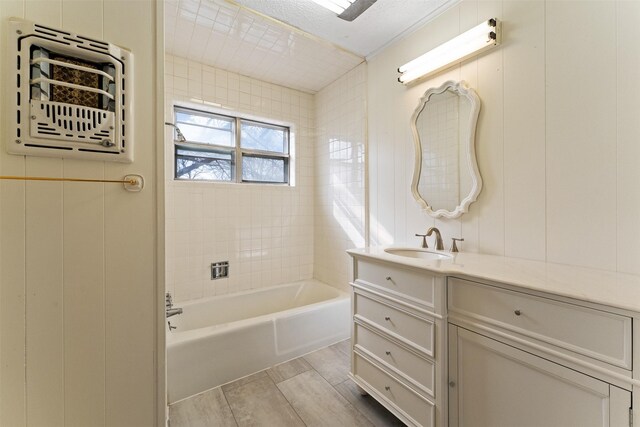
(131, 182)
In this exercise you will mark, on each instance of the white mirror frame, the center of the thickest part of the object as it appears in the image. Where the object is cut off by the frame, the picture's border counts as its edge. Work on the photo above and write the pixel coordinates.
(462, 89)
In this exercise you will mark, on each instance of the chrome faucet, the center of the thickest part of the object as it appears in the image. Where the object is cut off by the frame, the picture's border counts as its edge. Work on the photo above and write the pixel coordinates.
(168, 305)
(439, 242)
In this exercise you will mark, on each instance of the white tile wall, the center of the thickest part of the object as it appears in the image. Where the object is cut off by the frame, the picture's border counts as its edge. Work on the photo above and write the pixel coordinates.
(231, 37)
(556, 140)
(265, 232)
(340, 176)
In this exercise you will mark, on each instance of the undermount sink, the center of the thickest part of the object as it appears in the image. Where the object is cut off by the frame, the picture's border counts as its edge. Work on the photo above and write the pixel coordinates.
(418, 253)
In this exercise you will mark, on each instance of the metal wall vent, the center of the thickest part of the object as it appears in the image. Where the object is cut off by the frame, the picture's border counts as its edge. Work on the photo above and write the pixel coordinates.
(72, 95)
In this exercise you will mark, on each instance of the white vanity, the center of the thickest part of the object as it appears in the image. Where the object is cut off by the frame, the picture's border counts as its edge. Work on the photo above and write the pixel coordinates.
(478, 340)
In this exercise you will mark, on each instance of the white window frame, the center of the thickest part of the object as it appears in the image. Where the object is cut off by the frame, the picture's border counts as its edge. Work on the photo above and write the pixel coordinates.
(236, 151)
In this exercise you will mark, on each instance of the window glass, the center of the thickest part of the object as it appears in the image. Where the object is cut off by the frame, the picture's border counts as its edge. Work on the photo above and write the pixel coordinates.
(263, 169)
(258, 136)
(204, 165)
(223, 148)
(205, 129)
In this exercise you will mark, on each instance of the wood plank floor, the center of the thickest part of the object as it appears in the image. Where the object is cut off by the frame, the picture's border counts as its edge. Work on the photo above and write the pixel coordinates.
(312, 390)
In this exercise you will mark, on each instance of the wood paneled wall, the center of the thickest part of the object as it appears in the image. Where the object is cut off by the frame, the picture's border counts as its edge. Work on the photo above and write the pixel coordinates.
(77, 260)
(557, 139)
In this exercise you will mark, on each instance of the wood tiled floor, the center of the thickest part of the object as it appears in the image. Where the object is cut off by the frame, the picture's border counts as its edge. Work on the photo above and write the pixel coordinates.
(312, 390)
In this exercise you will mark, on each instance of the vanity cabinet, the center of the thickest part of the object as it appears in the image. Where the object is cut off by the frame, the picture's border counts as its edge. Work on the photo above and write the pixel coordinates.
(438, 349)
(398, 340)
(517, 359)
(493, 384)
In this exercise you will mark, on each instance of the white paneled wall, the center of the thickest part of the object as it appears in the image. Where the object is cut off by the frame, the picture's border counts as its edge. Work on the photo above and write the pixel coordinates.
(557, 139)
(78, 278)
(264, 231)
(340, 176)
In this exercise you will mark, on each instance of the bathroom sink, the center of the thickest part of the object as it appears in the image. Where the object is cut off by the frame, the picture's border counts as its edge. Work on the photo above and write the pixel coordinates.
(418, 253)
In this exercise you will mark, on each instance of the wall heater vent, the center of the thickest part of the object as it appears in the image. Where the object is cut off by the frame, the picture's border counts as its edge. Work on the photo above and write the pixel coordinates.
(72, 95)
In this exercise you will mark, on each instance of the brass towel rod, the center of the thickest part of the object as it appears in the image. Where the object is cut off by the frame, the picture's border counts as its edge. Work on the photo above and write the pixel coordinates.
(131, 182)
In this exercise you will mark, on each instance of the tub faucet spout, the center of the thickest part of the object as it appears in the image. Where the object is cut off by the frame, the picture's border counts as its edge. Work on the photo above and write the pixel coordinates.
(169, 310)
(173, 311)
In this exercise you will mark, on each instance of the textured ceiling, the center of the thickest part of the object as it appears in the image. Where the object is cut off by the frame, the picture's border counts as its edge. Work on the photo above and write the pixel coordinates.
(384, 21)
(293, 43)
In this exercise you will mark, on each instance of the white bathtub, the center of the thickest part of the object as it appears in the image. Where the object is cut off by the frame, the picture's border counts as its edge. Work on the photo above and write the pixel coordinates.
(220, 339)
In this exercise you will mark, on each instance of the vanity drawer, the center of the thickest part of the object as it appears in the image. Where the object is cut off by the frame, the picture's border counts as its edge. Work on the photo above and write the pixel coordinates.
(404, 326)
(411, 285)
(405, 400)
(594, 333)
(418, 369)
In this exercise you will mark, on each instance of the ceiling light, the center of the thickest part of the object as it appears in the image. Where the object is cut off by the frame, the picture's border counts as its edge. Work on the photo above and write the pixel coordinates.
(472, 42)
(346, 9)
(336, 6)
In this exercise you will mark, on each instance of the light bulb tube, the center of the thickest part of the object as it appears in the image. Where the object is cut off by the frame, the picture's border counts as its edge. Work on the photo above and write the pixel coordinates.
(465, 45)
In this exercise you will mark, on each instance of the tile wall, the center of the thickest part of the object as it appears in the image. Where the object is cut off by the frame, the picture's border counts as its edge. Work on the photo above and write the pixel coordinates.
(226, 35)
(340, 221)
(265, 232)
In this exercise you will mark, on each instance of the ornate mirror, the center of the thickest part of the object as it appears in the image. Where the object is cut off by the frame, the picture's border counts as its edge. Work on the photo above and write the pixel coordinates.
(446, 179)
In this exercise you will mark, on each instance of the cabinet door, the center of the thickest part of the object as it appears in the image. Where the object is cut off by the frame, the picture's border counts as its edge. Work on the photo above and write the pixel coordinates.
(495, 385)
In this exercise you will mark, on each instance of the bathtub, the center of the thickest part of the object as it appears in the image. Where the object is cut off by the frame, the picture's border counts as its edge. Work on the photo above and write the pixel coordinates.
(223, 338)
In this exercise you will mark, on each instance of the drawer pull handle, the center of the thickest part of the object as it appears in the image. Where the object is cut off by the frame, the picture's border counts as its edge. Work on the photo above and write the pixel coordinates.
(517, 312)
(387, 318)
(388, 278)
(387, 388)
(388, 353)
(452, 383)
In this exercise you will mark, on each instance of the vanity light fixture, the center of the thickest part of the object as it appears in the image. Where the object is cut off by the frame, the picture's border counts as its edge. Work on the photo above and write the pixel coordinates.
(472, 42)
(346, 9)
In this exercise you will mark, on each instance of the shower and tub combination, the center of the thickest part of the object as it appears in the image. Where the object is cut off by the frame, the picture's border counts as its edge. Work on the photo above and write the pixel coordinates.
(220, 339)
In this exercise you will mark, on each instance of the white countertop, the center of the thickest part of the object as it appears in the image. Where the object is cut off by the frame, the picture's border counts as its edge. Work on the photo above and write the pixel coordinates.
(613, 289)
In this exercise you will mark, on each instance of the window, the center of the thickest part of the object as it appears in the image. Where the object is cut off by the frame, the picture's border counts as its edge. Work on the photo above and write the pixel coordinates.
(223, 148)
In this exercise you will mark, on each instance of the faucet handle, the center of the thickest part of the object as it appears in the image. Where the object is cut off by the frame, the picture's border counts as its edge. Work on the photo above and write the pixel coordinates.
(424, 240)
(454, 247)
(168, 300)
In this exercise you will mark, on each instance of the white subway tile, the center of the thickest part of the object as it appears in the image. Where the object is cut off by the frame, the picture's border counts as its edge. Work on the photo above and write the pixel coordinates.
(265, 232)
